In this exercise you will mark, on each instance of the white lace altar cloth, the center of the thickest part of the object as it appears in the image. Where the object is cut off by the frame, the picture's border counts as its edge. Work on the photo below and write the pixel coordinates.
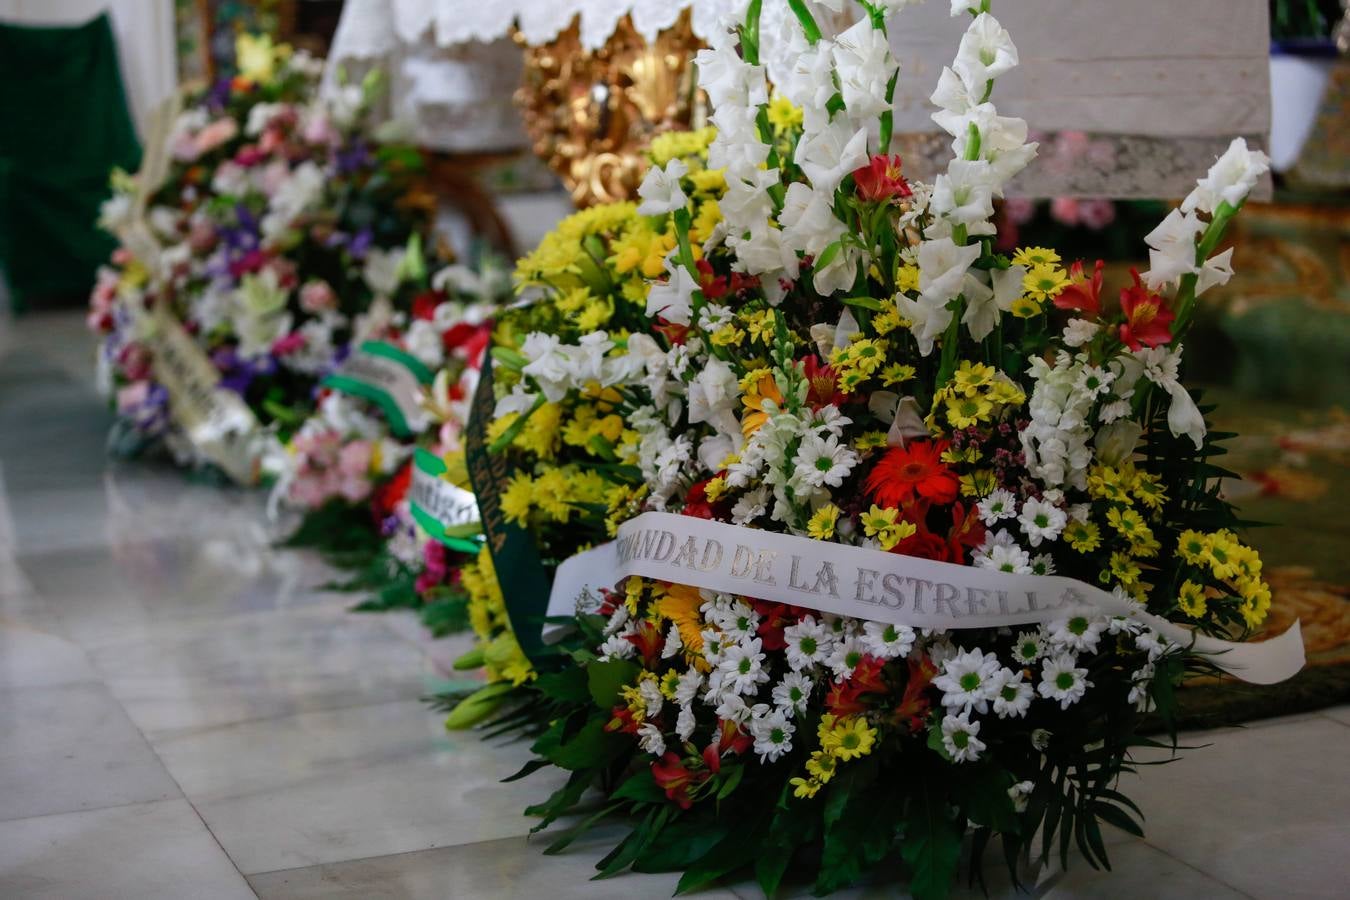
(1167, 83)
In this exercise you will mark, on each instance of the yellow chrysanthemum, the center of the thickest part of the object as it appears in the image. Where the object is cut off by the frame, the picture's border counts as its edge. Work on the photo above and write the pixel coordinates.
(1043, 282)
(850, 738)
(1191, 599)
(1035, 256)
(518, 499)
(1083, 536)
(822, 522)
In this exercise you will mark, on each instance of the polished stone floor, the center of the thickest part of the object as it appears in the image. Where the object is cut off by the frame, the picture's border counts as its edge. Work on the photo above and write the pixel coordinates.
(184, 713)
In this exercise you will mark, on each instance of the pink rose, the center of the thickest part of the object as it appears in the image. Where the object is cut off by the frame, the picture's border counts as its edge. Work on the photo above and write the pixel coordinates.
(317, 297)
(132, 397)
(1064, 210)
(135, 362)
(319, 130)
(289, 344)
(1019, 210)
(213, 135)
(1096, 212)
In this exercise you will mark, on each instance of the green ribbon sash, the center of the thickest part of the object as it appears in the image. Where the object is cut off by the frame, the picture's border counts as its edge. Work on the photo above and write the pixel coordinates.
(448, 513)
(390, 378)
(524, 580)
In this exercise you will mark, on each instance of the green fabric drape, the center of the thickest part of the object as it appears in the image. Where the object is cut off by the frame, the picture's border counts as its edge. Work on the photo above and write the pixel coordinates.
(63, 125)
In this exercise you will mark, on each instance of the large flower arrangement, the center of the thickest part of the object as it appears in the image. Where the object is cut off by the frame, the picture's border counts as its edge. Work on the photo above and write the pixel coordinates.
(283, 229)
(843, 357)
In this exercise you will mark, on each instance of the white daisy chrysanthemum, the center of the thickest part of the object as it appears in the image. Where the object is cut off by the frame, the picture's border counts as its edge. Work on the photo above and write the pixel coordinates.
(1002, 557)
(1028, 647)
(1012, 695)
(1078, 633)
(685, 722)
(673, 642)
(772, 731)
(1042, 564)
(886, 641)
(1062, 680)
(714, 646)
(742, 666)
(959, 737)
(1041, 521)
(822, 462)
(650, 739)
(616, 646)
(792, 693)
(687, 690)
(999, 505)
(732, 708)
(847, 653)
(1155, 644)
(652, 698)
(808, 642)
(968, 680)
(738, 621)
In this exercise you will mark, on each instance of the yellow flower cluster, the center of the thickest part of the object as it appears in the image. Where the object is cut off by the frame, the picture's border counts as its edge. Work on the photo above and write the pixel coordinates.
(1235, 565)
(1044, 279)
(841, 740)
(977, 394)
(503, 659)
(881, 523)
(680, 145)
(553, 494)
(856, 362)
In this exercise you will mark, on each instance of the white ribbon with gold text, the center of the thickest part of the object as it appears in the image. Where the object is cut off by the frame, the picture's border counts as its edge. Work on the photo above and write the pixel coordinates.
(873, 585)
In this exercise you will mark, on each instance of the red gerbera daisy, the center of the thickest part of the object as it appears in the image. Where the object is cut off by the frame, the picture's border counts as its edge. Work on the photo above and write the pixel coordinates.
(915, 470)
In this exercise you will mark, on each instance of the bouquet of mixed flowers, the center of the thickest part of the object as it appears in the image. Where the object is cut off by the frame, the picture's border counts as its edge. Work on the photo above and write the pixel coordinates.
(348, 471)
(278, 229)
(906, 528)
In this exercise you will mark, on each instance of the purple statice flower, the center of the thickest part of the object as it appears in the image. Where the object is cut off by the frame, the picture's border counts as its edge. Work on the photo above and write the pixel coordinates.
(238, 374)
(353, 157)
(145, 404)
(218, 95)
(360, 243)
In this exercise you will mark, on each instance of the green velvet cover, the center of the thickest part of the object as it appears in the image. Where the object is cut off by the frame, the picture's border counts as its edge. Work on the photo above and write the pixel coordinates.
(63, 125)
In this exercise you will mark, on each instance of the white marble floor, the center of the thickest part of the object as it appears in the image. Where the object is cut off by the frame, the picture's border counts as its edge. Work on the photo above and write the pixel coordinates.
(184, 713)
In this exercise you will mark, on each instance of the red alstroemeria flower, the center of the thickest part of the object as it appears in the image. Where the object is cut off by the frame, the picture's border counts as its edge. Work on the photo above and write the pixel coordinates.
(867, 675)
(713, 286)
(621, 721)
(822, 383)
(774, 617)
(924, 544)
(730, 738)
(424, 304)
(913, 708)
(391, 493)
(967, 531)
(915, 470)
(844, 698)
(880, 179)
(646, 637)
(673, 777)
(1148, 319)
(673, 332)
(1083, 293)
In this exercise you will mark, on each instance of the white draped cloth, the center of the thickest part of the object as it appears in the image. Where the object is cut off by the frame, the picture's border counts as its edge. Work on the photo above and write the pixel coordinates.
(1164, 84)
